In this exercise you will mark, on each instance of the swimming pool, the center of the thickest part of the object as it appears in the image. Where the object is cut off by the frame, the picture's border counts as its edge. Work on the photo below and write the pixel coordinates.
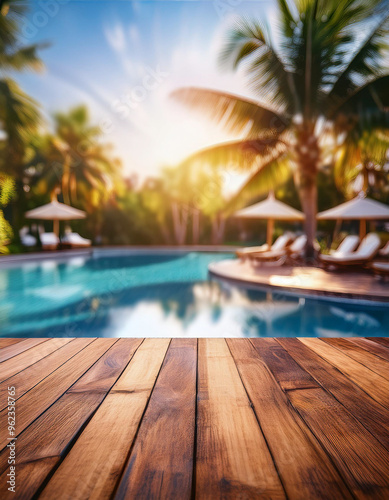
(163, 295)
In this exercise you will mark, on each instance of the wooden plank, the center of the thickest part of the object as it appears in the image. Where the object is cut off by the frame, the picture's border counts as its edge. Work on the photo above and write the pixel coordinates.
(361, 459)
(366, 409)
(7, 342)
(19, 347)
(305, 469)
(40, 397)
(18, 363)
(103, 447)
(372, 347)
(284, 368)
(161, 462)
(374, 385)
(367, 359)
(380, 340)
(233, 460)
(41, 446)
(31, 376)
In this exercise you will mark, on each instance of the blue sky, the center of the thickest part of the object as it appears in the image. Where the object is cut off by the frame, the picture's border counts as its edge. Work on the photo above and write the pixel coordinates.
(123, 58)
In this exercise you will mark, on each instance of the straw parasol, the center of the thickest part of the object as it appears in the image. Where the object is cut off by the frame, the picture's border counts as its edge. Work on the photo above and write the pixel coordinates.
(270, 210)
(55, 211)
(360, 208)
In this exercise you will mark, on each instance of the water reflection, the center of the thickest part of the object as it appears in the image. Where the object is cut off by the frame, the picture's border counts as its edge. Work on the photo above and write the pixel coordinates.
(170, 297)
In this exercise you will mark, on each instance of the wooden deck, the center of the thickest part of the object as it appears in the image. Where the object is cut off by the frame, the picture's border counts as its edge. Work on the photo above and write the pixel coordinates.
(207, 419)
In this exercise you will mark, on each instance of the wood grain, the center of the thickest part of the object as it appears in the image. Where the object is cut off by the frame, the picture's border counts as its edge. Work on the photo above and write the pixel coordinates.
(27, 358)
(305, 469)
(31, 376)
(41, 446)
(233, 460)
(370, 346)
(40, 397)
(161, 461)
(15, 349)
(373, 384)
(284, 368)
(7, 342)
(366, 409)
(103, 447)
(371, 361)
(361, 459)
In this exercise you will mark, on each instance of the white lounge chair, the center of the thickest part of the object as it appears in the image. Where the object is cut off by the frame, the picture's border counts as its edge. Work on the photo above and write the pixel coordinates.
(380, 269)
(76, 241)
(365, 252)
(280, 243)
(349, 244)
(384, 252)
(27, 240)
(294, 250)
(50, 241)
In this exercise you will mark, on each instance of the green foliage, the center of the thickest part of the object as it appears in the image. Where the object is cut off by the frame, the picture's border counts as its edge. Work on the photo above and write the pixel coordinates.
(7, 191)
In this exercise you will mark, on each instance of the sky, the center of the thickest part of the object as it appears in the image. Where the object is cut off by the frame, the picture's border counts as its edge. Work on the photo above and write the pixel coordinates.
(124, 58)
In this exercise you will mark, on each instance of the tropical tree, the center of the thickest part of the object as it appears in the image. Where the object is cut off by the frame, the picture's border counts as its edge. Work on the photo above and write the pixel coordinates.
(7, 192)
(325, 68)
(19, 113)
(75, 160)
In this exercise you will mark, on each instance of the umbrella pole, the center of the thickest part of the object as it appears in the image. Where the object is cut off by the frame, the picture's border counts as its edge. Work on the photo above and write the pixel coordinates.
(270, 230)
(362, 228)
(56, 227)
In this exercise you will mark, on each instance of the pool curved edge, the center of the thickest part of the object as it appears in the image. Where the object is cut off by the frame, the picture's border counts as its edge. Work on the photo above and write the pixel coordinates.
(301, 281)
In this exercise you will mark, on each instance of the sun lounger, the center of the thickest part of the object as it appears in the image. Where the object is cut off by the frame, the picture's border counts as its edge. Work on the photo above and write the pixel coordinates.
(365, 252)
(50, 241)
(384, 252)
(74, 240)
(293, 251)
(380, 268)
(26, 239)
(280, 243)
(349, 244)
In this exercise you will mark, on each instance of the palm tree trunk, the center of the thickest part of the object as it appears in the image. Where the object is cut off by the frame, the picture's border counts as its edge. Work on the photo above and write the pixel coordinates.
(195, 226)
(308, 198)
(180, 220)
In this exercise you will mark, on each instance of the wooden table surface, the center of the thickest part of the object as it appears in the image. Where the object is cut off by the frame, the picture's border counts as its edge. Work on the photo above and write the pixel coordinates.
(185, 418)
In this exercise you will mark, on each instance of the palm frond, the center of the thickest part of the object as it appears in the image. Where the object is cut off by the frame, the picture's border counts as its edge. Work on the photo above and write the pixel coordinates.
(250, 42)
(237, 114)
(365, 63)
(266, 178)
(244, 156)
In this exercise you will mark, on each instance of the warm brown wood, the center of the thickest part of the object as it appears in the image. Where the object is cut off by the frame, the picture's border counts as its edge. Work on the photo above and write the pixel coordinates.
(232, 456)
(103, 447)
(373, 384)
(372, 347)
(39, 398)
(27, 358)
(371, 361)
(28, 378)
(8, 342)
(381, 340)
(115, 418)
(366, 409)
(42, 445)
(284, 368)
(361, 459)
(15, 349)
(305, 469)
(166, 435)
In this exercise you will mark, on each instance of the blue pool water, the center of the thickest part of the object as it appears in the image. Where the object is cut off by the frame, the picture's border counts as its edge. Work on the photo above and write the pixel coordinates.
(163, 295)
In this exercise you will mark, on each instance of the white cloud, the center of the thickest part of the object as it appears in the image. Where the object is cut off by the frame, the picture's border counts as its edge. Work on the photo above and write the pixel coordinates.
(115, 37)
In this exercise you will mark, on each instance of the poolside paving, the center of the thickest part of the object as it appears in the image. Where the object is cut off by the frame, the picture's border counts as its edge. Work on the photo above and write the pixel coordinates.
(350, 283)
(253, 418)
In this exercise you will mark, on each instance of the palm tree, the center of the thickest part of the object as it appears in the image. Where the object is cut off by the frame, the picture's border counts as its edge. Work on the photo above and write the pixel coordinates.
(324, 69)
(74, 160)
(19, 114)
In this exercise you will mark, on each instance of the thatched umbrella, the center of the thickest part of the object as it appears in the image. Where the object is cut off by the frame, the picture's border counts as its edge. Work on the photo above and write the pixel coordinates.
(270, 210)
(360, 208)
